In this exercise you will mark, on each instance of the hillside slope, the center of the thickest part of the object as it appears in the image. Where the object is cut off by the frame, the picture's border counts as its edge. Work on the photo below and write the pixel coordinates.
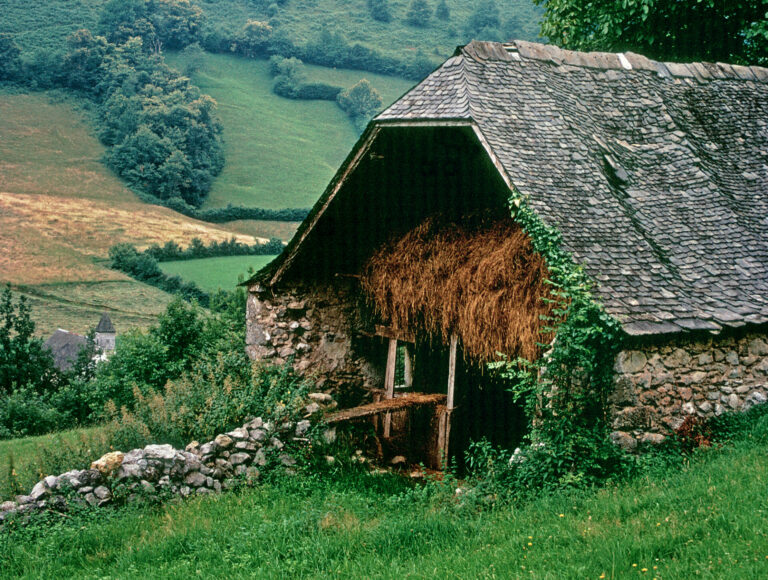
(45, 24)
(279, 152)
(61, 210)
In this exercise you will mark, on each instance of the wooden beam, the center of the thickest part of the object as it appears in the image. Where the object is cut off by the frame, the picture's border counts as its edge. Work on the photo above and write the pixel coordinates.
(386, 405)
(452, 371)
(444, 426)
(389, 332)
(389, 381)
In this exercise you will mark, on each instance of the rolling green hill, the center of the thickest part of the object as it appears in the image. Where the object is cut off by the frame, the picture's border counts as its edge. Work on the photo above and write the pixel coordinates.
(45, 24)
(61, 210)
(279, 152)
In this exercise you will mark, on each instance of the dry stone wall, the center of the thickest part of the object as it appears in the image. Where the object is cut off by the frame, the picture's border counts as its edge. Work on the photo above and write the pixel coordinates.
(161, 470)
(318, 328)
(657, 386)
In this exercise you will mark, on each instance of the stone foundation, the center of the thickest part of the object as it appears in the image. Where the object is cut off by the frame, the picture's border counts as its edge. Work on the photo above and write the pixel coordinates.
(320, 330)
(658, 385)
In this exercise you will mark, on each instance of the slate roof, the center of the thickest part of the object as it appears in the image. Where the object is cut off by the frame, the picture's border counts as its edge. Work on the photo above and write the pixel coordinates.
(105, 325)
(65, 346)
(655, 173)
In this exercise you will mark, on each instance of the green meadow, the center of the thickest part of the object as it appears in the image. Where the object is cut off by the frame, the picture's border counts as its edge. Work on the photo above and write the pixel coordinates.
(279, 152)
(706, 519)
(214, 273)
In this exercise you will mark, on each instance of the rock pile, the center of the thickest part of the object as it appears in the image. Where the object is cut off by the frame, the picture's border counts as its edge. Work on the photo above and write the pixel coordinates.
(158, 470)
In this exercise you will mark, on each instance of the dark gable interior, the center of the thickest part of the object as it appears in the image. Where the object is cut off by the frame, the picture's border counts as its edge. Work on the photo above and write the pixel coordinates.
(409, 173)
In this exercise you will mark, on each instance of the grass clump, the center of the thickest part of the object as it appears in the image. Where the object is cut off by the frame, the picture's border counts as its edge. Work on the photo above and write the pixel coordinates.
(705, 518)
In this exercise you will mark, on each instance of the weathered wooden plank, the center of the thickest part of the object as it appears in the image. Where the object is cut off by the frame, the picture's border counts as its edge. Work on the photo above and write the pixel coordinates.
(408, 367)
(389, 381)
(385, 406)
(389, 332)
(444, 436)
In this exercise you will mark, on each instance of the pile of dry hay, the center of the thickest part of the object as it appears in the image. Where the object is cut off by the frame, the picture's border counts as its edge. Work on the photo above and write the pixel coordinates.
(479, 278)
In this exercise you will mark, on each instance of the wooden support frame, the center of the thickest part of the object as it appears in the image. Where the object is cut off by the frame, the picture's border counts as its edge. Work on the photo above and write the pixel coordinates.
(444, 424)
(389, 382)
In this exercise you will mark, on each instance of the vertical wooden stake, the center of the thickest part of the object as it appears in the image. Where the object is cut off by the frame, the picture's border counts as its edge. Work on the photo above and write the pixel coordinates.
(408, 367)
(389, 381)
(446, 423)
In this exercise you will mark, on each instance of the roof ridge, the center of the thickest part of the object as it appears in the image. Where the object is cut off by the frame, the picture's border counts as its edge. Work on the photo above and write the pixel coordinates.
(700, 71)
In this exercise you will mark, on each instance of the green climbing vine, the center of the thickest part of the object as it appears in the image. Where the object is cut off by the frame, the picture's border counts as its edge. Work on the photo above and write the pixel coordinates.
(565, 392)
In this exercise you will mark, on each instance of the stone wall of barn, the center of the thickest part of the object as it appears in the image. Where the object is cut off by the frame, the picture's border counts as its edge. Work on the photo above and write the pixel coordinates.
(319, 329)
(657, 386)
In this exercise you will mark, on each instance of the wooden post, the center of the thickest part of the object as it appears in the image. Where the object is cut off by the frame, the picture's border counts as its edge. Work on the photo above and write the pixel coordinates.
(408, 367)
(389, 381)
(445, 420)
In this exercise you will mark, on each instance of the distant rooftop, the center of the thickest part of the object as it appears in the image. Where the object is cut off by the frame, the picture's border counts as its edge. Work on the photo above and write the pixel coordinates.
(105, 324)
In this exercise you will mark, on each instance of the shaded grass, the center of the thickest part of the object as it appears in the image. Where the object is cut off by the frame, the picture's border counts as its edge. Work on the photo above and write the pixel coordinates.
(279, 152)
(35, 457)
(707, 520)
(214, 273)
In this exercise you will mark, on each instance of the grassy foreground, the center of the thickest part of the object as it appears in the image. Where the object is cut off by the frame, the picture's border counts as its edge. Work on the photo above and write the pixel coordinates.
(214, 273)
(708, 520)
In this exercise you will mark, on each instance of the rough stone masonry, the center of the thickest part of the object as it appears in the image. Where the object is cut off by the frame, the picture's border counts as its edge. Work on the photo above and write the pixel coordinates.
(160, 469)
(657, 386)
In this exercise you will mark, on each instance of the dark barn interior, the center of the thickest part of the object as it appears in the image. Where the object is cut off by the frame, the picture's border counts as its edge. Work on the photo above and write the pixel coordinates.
(380, 201)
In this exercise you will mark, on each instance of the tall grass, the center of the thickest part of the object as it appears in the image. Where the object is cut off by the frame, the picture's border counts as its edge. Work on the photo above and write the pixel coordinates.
(23, 462)
(708, 519)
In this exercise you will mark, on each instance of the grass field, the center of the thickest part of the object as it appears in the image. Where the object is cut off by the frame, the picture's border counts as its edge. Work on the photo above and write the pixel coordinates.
(61, 210)
(707, 520)
(214, 273)
(279, 152)
(32, 458)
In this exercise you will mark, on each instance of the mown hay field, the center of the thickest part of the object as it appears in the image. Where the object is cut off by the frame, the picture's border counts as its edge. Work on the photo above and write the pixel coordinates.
(60, 212)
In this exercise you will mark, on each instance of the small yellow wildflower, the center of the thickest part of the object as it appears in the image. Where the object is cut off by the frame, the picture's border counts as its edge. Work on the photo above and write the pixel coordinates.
(634, 565)
(562, 515)
(644, 570)
(602, 576)
(530, 544)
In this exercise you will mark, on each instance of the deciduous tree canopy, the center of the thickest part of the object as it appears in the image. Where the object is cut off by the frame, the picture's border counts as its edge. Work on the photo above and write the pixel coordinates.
(683, 30)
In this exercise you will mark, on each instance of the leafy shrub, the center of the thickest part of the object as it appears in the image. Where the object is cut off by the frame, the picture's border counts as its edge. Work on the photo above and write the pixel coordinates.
(380, 10)
(730, 426)
(217, 395)
(25, 412)
(360, 102)
(419, 13)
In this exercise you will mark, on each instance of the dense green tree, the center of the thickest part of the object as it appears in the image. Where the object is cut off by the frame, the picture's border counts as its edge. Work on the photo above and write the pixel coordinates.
(419, 13)
(10, 64)
(379, 10)
(360, 102)
(442, 11)
(712, 30)
(24, 362)
(160, 24)
(484, 22)
(253, 39)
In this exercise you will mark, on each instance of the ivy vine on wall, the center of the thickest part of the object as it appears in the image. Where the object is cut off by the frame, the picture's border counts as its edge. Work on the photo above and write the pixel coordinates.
(565, 393)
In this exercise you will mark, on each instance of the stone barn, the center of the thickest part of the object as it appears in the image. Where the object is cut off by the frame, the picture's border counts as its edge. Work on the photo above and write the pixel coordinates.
(409, 274)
